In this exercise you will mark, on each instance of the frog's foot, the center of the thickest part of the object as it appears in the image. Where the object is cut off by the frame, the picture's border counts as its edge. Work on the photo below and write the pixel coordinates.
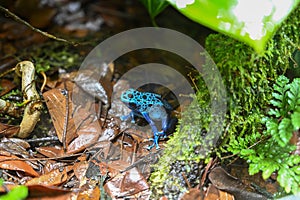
(155, 140)
(151, 146)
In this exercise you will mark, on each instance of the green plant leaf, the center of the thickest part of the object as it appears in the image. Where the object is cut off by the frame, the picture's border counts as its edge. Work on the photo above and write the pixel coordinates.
(253, 22)
(294, 94)
(268, 171)
(247, 152)
(274, 112)
(272, 126)
(285, 132)
(284, 179)
(18, 193)
(295, 117)
(289, 179)
(296, 169)
(155, 7)
(254, 168)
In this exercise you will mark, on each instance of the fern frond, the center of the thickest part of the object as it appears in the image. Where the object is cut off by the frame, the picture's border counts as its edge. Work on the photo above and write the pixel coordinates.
(280, 100)
(295, 117)
(285, 132)
(294, 94)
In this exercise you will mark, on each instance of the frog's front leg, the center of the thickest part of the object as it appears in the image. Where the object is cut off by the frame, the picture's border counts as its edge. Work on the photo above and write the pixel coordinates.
(154, 130)
(131, 115)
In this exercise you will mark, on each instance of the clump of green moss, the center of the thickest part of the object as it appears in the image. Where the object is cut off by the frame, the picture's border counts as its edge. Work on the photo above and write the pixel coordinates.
(183, 150)
(53, 55)
(249, 78)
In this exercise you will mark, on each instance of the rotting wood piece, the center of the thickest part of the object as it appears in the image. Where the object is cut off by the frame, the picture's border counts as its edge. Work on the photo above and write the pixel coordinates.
(33, 105)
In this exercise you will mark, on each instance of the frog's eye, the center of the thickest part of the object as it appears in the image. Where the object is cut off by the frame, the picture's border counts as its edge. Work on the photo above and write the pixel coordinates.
(132, 105)
(130, 96)
(144, 97)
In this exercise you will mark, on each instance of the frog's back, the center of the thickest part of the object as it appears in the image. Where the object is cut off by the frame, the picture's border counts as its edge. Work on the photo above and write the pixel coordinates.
(145, 100)
(141, 101)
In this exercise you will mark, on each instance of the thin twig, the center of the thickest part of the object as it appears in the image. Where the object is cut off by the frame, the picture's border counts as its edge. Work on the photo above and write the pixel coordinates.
(64, 135)
(38, 159)
(44, 81)
(186, 180)
(45, 139)
(18, 19)
(7, 71)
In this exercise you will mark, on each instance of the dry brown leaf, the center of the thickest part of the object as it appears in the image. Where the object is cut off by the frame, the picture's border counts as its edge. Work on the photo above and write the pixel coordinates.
(53, 178)
(87, 136)
(119, 165)
(193, 193)
(56, 103)
(225, 195)
(126, 184)
(8, 130)
(16, 147)
(226, 182)
(212, 193)
(6, 86)
(89, 194)
(43, 192)
(51, 152)
(80, 170)
(133, 181)
(8, 162)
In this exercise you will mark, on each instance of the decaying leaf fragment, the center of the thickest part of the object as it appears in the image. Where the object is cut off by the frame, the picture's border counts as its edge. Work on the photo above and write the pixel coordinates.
(224, 181)
(34, 105)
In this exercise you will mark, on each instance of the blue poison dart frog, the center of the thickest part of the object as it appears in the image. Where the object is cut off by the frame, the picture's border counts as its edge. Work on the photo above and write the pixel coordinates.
(150, 106)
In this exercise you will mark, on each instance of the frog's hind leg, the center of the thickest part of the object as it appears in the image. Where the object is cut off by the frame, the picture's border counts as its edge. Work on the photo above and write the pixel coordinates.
(156, 134)
(164, 127)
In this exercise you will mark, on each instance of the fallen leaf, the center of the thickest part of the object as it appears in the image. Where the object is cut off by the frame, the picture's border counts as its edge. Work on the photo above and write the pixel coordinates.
(193, 193)
(89, 194)
(55, 177)
(11, 163)
(126, 184)
(6, 86)
(97, 168)
(98, 84)
(15, 146)
(87, 136)
(56, 103)
(8, 130)
(80, 169)
(47, 192)
(212, 193)
(224, 181)
(51, 152)
(133, 181)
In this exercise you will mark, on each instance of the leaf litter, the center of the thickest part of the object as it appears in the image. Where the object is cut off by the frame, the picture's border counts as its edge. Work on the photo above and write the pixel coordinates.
(101, 158)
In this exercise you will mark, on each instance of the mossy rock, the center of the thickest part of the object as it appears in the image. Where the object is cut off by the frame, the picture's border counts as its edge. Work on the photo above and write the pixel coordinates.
(249, 78)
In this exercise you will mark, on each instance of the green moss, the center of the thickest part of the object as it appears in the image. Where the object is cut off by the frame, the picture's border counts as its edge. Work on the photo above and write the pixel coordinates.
(249, 79)
(53, 55)
(183, 146)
